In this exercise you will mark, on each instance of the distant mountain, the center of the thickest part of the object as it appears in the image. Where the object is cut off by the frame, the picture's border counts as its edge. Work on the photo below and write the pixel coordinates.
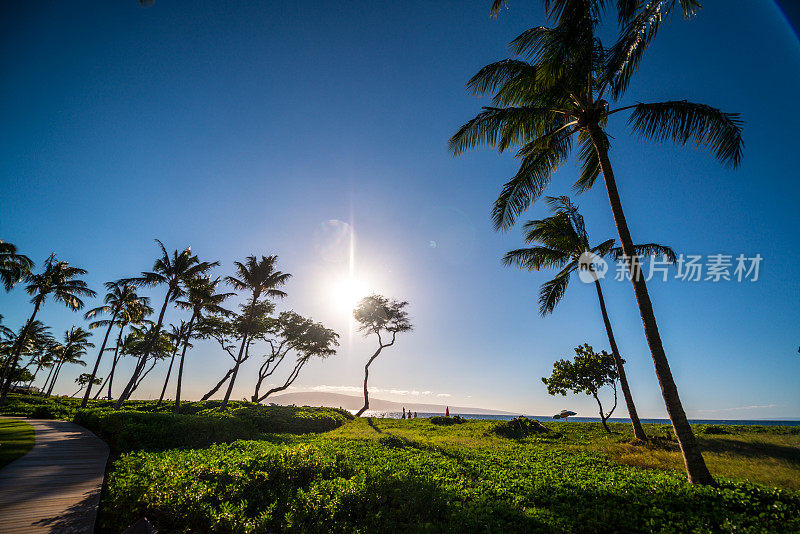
(353, 402)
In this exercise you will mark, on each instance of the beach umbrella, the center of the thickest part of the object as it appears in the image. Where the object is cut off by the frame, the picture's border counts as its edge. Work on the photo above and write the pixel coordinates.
(564, 414)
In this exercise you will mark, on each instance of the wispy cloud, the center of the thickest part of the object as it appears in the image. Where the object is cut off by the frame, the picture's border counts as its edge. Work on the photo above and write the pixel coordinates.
(443, 395)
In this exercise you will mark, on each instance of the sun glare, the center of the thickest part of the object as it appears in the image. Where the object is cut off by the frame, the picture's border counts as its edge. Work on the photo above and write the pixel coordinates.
(347, 293)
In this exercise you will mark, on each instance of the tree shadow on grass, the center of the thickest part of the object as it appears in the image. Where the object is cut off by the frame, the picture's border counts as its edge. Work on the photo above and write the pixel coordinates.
(751, 450)
(371, 422)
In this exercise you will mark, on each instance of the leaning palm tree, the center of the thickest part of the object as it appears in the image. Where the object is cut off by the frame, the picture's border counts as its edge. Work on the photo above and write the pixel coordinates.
(76, 343)
(58, 279)
(134, 314)
(173, 272)
(565, 90)
(260, 278)
(13, 267)
(202, 299)
(561, 242)
(176, 334)
(120, 297)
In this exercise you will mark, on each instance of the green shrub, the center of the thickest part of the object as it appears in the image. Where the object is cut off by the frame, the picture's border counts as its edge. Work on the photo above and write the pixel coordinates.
(365, 485)
(290, 419)
(519, 427)
(441, 420)
(128, 430)
(712, 429)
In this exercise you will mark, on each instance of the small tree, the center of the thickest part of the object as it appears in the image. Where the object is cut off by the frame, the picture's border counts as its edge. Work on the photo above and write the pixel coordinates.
(293, 332)
(381, 316)
(254, 321)
(84, 379)
(587, 373)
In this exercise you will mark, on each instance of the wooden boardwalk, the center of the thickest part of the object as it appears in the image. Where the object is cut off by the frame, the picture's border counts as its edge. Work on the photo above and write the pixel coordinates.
(56, 486)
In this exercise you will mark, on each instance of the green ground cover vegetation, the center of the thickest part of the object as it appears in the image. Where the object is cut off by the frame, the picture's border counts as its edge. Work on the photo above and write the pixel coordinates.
(298, 469)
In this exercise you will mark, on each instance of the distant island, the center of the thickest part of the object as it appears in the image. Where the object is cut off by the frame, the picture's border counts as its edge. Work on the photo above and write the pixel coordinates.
(353, 402)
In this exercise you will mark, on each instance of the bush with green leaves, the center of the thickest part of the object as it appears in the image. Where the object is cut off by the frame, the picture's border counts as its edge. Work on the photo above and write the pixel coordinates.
(390, 484)
(519, 428)
(442, 420)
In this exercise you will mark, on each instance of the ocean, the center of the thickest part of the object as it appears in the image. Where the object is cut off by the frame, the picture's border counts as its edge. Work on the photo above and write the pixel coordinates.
(770, 422)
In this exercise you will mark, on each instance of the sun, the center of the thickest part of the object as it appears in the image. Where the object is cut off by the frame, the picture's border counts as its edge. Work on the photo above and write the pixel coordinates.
(346, 293)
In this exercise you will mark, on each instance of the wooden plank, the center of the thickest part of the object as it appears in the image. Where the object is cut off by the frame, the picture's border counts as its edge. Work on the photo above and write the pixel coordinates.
(56, 486)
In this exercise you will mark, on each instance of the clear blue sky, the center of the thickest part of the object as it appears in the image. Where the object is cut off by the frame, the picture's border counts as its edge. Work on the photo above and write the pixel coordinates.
(241, 128)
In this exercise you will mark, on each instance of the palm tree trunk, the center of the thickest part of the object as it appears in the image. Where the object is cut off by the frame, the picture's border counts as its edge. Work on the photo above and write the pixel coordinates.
(97, 361)
(177, 407)
(49, 374)
(638, 431)
(55, 377)
(696, 469)
(143, 360)
(36, 372)
(169, 372)
(114, 362)
(233, 376)
(11, 364)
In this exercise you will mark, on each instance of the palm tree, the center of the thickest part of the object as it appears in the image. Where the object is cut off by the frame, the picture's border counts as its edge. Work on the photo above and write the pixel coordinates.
(261, 279)
(172, 272)
(58, 279)
(135, 313)
(119, 297)
(561, 241)
(13, 267)
(379, 315)
(202, 298)
(175, 334)
(35, 346)
(76, 343)
(563, 91)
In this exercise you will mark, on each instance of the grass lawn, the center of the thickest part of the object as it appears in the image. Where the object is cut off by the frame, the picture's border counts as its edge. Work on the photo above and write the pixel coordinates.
(16, 439)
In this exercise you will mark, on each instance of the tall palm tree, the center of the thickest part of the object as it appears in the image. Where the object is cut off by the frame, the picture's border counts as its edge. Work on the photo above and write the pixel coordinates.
(58, 279)
(561, 242)
(76, 343)
(173, 272)
(202, 298)
(119, 297)
(13, 267)
(176, 334)
(565, 90)
(262, 279)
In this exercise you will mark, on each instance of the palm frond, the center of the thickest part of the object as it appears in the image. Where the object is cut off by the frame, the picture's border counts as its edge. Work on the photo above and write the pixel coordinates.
(502, 127)
(683, 121)
(553, 291)
(590, 161)
(637, 34)
(539, 159)
(648, 249)
(497, 74)
(535, 258)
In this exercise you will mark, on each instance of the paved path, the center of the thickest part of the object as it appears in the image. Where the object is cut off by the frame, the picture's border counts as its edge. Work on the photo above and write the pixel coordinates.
(56, 486)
